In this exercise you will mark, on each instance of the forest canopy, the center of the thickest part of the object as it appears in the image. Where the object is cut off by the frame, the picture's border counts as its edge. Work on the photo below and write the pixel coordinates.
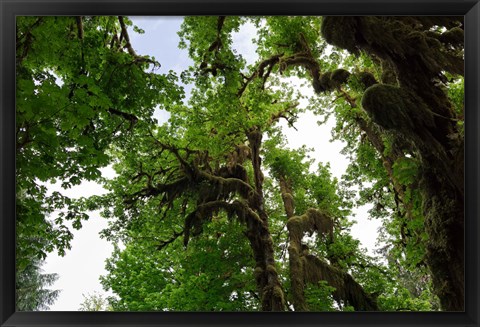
(214, 211)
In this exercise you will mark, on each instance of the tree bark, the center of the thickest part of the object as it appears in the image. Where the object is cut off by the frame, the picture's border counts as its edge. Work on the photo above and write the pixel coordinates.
(417, 67)
(307, 268)
(294, 251)
(266, 275)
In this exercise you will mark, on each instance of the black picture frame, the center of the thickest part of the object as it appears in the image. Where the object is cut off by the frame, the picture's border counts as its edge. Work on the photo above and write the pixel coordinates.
(11, 8)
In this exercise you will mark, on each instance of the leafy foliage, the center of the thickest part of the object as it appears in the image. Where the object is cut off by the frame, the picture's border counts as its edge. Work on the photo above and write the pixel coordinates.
(213, 210)
(77, 93)
(95, 302)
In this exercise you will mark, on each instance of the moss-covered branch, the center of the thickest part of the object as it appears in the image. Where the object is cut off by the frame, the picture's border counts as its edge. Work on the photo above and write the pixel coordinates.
(346, 288)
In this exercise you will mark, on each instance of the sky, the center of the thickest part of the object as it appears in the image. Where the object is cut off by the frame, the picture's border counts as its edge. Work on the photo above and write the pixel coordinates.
(80, 268)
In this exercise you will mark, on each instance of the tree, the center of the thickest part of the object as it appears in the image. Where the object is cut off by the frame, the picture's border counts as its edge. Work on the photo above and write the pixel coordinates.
(31, 291)
(416, 60)
(217, 213)
(72, 74)
(207, 164)
(94, 302)
(425, 55)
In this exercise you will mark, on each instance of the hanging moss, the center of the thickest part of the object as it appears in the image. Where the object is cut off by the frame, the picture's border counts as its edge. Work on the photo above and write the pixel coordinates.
(389, 76)
(367, 79)
(346, 288)
(236, 171)
(325, 81)
(225, 187)
(385, 106)
(397, 109)
(417, 109)
(204, 212)
(330, 81)
(313, 220)
(394, 108)
(340, 31)
(193, 226)
(399, 40)
(339, 77)
(376, 33)
(427, 22)
(454, 36)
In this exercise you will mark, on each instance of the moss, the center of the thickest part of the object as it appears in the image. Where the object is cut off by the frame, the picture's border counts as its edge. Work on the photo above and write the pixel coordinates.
(445, 249)
(346, 288)
(278, 292)
(395, 108)
(339, 77)
(454, 36)
(297, 276)
(428, 22)
(325, 81)
(271, 270)
(400, 110)
(257, 273)
(340, 31)
(322, 222)
(418, 110)
(389, 77)
(367, 79)
(383, 32)
(307, 268)
(224, 188)
(294, 226)
(313, 220)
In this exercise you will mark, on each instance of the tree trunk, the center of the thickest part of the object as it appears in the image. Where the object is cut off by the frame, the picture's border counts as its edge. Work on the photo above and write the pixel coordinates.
(444, 212)
(417, 65)
(266, 275)
(306, 268)
(297, 279)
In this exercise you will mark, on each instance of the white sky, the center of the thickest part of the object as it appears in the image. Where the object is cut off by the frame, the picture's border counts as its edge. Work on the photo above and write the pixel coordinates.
(80, 268)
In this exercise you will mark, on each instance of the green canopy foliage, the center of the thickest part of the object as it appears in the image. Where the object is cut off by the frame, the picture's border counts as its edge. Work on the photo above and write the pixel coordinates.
(212, 210)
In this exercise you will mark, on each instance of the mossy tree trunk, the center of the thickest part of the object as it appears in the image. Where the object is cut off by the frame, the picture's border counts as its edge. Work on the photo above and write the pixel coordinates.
(266, 275)
(306, 268)
(297, 279)
(417, 56)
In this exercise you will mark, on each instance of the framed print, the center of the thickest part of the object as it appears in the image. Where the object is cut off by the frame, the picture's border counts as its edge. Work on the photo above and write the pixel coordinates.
(239, 163)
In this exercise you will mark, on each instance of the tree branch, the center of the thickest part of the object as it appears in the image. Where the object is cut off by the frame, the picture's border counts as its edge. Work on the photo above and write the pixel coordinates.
(127, 116)
(128, 45)
(260, 72)
(171, 240)
(79, 21)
